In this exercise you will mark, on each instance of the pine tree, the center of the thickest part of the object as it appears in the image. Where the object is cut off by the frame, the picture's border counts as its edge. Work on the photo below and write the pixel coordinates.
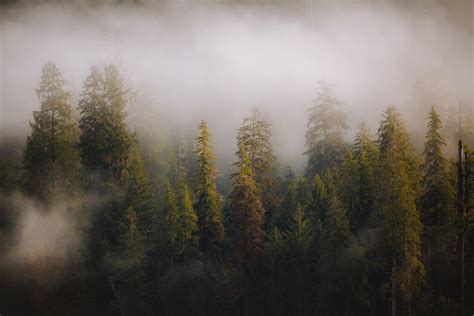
(188, 229)
(438, 195)
(255, 134)
(207, 203)
(299, 240)
(341, 265)
(245, 213)
(318, 203)
(127, 265)
(170, 226)
(138, 195)
(51, 161)
(359, 181)
(401, 226)
(325, 136)
(293, 193)
(437, 205)
(105, 140)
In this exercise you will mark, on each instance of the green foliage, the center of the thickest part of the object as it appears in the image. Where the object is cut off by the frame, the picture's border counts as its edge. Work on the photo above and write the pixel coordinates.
(51, 161)
(188, 229)
(170, 216)
(105, 140)
(359, 188)
(438, 196)
(127, 266)
(293, 192)
(245, 213)
(401, 224)
(325, 136)
(342, 266)
(255, 134)
(207, 203)
(319, 201)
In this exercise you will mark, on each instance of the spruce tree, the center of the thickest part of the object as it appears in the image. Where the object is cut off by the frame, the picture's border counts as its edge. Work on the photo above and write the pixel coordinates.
(437, 206)
(318, 201)
(245, 213)
(359, 181)
(170, 226)
(438, 193)
(341, 265)
(105, 140)
(401, 226)
(207, 203)
(255, 135)
(51, 161)
(188, 229)
(325, 136)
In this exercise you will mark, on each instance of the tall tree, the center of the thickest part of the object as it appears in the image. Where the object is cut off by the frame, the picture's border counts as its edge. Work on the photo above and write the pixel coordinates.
(51, 161)
(437, 206)
(438, 193)
(325, 136)
(245, 213)
(341, 265)
(171, 222)
(207, 203)
(188, 229)
(255, 135)
(400, 224)
(359, 181)
(105, 140)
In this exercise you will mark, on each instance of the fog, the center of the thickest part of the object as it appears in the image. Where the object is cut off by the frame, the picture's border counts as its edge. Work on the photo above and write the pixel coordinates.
(215, 60)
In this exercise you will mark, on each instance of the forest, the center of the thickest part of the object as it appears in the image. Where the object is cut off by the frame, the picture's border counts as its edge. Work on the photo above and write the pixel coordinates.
(107, 208)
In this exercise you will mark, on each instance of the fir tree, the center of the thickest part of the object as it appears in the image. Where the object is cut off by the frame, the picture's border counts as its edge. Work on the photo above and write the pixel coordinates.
(171, 222)
(341, 265)
(255, 134)
(245, 213)
(207, 203)
(318, 203)
(127, 267)
(437, 205)
(359, 181)
(51, 161)
(188, 229)
(401, 224)
(325, 136)
(105, 140)
(438, 195)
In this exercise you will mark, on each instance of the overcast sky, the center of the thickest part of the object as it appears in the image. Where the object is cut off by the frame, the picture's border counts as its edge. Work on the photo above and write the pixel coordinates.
(214, 61)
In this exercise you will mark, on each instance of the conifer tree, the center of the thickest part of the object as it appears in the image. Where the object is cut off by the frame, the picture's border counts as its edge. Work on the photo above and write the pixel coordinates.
(341, 265)
(318, 202)
(325, 136)
(188, 229)
(437, 204)
(171, 222)
(207, 203)
(245, 213)
(105, 140)
(255, 134)
(127, 267)
(438, 193)
(401, 224)
(299, 240)
(293, 193)
(51, 161)
(359, 181)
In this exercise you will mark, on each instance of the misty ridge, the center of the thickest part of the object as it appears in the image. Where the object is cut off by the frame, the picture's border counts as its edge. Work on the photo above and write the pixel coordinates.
(236, 157)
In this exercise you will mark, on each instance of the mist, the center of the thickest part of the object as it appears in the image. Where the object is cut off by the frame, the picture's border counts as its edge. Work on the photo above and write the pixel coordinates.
(214, 61)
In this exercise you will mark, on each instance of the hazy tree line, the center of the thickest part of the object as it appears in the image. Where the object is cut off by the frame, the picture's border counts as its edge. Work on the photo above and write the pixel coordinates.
(371, 228)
